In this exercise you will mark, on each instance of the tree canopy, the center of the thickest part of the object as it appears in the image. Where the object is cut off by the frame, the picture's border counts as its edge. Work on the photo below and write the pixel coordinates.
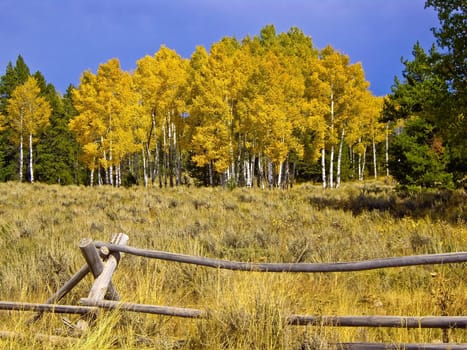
(265, 111)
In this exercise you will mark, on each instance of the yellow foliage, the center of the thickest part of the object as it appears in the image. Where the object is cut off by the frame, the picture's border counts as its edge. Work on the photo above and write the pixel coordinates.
(27, 110)
(270, 97)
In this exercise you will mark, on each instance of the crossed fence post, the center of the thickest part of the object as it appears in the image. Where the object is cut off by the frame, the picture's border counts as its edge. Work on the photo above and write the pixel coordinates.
(101, 264)
(102, 259)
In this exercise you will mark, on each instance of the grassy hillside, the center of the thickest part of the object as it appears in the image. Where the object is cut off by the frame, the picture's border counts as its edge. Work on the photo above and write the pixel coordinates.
(41, 226)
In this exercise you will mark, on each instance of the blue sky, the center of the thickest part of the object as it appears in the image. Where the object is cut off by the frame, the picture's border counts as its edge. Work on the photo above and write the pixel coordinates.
(62, 38)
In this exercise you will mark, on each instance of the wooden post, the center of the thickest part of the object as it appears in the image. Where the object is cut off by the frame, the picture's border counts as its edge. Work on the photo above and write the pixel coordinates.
(103, 281)
(89, 251)
(91, 256)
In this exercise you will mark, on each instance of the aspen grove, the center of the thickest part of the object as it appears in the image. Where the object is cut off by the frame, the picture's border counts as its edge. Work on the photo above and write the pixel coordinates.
(245, 112)
(254, 112)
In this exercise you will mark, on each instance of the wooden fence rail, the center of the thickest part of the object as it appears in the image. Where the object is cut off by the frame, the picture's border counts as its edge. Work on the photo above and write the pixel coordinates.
(429, 259)
(90, 306)
(102, 259)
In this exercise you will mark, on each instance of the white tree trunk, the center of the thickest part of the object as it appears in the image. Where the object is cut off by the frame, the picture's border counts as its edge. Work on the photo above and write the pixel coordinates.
(99, 176)
(323, 166)
(111, 172)
(252, 171)
(339, 159)
(116, 176)
(111, 175)
(360, 167)
(31, 170)
(279, 176)
(331, 167)
(91, 178)
(363, 163)
(247, 172)
(171, 155)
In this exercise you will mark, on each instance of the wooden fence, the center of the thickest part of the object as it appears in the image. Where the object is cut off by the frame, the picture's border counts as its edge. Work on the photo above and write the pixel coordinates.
(102, 259)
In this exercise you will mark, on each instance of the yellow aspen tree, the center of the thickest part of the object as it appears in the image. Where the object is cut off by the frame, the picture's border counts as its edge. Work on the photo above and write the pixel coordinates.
(253, 113)
(216, 100)
(113, 87)
(282, 88)
(315, 110)
(87, 126)
(162, 82)
(203, 136)
(354, 97)
(340, 85)
(274, 91)
(299, 54)
(244, 123)
(117, 99)
(366, 130)
(146, 82)
(317, 95)
(286, 97)
(333, 75)
(210, 145)
(295, 109)
(172, 107)
(28, 113)
(195, 72)
(141, 130)
(106, 106)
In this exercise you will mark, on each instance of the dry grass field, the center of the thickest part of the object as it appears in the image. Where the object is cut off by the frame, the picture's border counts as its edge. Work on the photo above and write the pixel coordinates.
(41, 226)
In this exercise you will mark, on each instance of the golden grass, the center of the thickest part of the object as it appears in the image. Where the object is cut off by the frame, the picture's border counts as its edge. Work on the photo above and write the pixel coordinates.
(41, 225)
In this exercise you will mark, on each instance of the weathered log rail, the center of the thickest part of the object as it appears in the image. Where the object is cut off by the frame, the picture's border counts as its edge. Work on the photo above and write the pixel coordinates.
(429, 259)
(102, 260)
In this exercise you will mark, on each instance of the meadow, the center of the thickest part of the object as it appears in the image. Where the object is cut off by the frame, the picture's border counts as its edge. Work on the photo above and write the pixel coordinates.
(41, 226)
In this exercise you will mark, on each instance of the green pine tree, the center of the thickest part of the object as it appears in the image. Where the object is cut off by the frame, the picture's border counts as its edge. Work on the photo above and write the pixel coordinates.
(14, 76)
(57, 150)
(417, 157)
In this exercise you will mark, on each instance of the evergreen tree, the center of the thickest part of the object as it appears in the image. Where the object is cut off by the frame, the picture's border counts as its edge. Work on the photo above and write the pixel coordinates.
(57, 150)
(15, 75)
(433, 88)
(450, 114)
(417, 156)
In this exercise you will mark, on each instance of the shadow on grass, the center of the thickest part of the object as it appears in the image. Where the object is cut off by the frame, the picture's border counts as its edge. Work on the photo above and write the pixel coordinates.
(447, 205)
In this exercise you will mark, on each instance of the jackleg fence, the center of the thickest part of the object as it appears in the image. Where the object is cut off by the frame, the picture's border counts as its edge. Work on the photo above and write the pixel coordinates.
(102, 259)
